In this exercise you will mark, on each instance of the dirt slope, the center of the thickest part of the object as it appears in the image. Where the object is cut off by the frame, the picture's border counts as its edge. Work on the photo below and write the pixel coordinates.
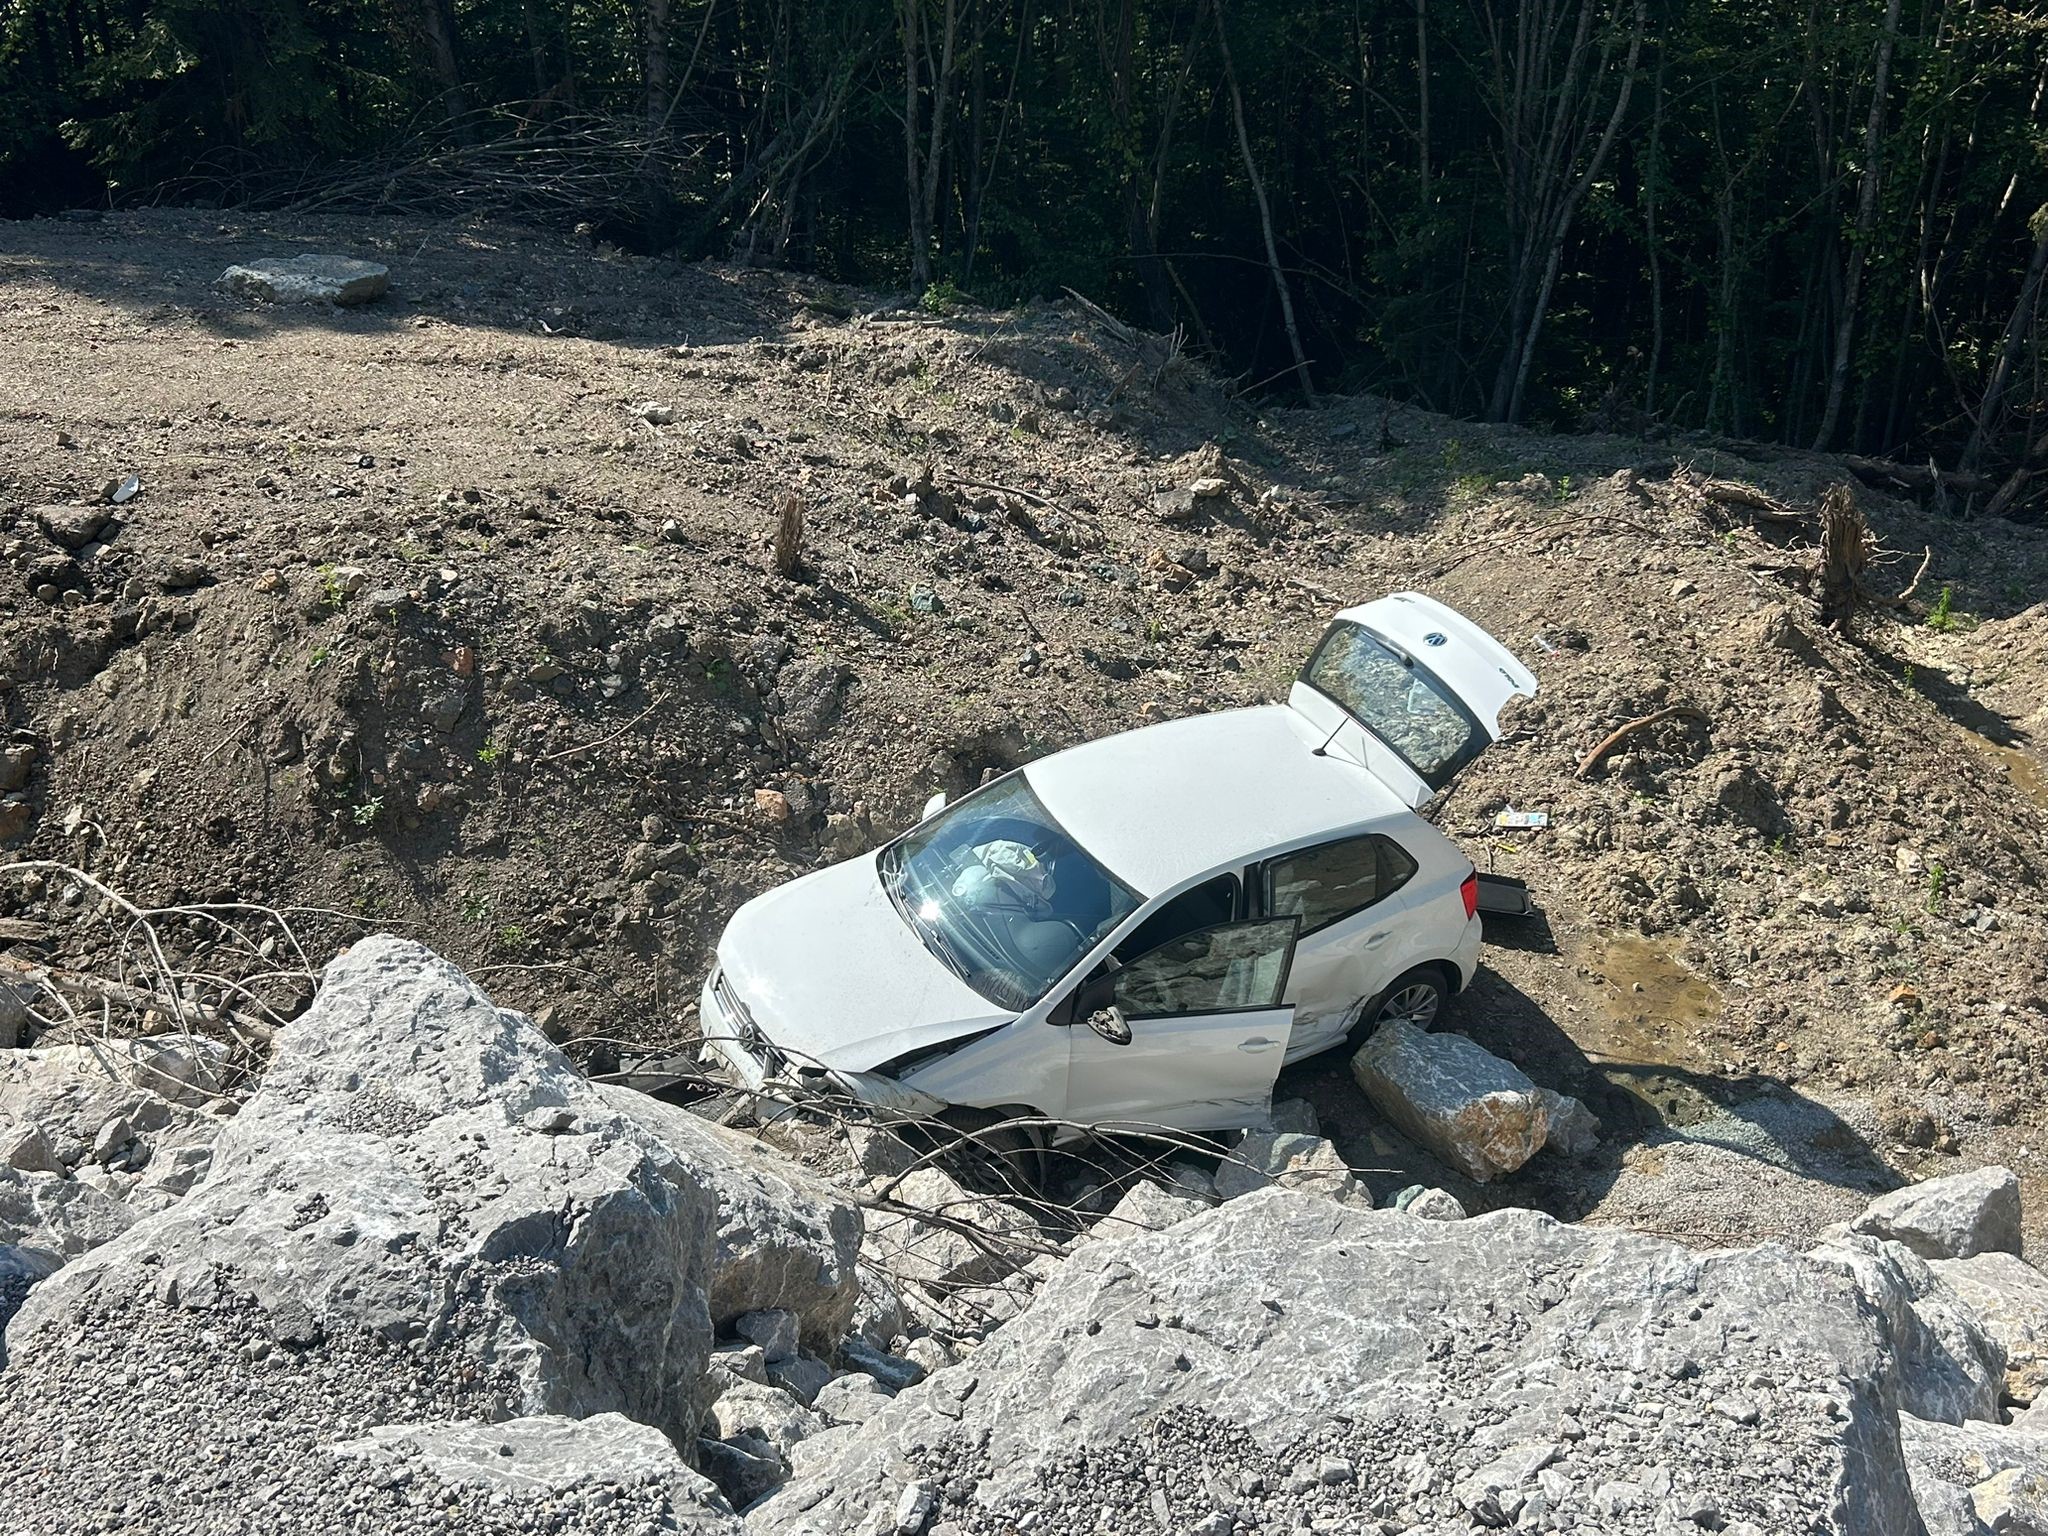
(420, 618)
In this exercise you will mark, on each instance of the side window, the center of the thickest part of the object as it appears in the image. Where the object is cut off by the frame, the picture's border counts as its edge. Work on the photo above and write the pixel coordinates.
(1208, 905)
(1322, 885)
(1218, 970)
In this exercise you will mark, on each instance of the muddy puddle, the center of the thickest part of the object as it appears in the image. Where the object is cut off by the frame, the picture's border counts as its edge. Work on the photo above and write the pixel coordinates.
(1650, 1009)
(2029, 776)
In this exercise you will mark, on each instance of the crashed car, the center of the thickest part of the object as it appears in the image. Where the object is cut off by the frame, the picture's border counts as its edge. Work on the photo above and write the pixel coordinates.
(1141, 930)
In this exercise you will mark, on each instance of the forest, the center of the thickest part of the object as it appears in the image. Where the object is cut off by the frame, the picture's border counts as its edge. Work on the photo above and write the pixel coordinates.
(1822, 225)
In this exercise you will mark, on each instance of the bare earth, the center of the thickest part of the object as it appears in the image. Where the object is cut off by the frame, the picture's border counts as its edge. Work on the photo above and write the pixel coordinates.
(419, 619)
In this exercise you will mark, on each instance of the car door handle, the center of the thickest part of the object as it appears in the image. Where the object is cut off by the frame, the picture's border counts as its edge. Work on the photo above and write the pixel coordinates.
(1253, 1047)
(1375, 940)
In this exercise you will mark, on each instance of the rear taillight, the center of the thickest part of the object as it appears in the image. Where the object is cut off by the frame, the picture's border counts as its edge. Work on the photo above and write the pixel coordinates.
(1470, 891)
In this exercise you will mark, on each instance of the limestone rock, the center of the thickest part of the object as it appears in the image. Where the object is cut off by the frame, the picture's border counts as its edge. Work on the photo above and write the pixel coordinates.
(1574, 1130)
(542, 1457)
(1145, 1207)
(1974, 1479)
(1480, 1114)
(309, 280)
(1262, 1158)
(1428, 1204)
(1949, 1368)
(956, 1267)
(59, 1216)
(1286, 1315)
(424, 1167)
(2009, 1298)
(851, 1399)
(1950, 1218)
(769, 1413)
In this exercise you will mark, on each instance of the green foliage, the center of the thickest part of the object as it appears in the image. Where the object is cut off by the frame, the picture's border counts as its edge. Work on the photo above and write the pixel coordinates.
(366, 813)
(1945, 618)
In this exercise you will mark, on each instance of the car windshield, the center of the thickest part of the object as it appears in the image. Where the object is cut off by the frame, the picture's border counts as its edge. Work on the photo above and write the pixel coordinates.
(999, 892)
(1398, 699)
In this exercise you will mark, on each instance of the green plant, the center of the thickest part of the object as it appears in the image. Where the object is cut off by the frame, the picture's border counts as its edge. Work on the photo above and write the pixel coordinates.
(941, 298)
(1937, 880)
(318, 659)
(1945, 618)
(332, 592)
(488, 753)
(476, 908)
(367, 813)
(512, 938)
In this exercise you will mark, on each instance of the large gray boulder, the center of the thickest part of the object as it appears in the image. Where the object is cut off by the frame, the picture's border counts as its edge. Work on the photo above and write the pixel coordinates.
(2009, 1300)
(424, 1168)
(785, 1240)
(56, 1214)
(1950, 1368)
(1950, 1218)
(1994, 1476)
(308, 280)
(1480, 1114)
(548, 1465)
(1311, 1363)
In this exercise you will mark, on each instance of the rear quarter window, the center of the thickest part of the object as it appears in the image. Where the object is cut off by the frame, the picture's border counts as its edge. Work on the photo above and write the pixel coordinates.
(1327, 884)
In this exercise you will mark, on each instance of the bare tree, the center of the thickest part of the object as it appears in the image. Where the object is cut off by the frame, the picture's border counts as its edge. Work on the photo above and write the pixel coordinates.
(1550, 63)
(924, 151)
(1251, 170)
(2009, 348)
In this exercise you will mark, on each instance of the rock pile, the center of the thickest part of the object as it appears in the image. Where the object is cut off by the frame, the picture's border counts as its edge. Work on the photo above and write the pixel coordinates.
(433, 1279)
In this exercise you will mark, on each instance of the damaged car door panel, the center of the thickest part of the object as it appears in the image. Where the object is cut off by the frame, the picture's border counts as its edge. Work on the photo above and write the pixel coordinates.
(1142, 929)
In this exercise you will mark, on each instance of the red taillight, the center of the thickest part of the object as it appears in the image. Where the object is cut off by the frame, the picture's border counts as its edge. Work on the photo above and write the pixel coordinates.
(1470, 891)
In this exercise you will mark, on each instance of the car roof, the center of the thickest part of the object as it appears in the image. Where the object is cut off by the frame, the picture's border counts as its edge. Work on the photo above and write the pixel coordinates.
(1165, 803)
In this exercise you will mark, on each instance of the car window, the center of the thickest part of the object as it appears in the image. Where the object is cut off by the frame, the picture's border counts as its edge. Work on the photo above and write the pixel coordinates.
(1396, 698)
(1236, 966)
(1322, 885)
(1001, 894)
(1209, 904)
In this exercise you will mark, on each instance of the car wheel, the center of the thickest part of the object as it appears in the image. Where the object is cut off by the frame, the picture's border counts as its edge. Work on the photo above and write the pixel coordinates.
(1007, 1161)
(1416, 998)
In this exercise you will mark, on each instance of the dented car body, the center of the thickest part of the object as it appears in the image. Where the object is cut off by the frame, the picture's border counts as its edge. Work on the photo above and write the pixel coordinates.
(1141, 930)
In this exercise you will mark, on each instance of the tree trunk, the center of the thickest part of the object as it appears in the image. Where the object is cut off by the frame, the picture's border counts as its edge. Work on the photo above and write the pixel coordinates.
(1866, 221)
(2009, 349)
(1251, 170)
(1422, 104)
(913, 178)
(1653, 174)
(437, 20)
(654, 17)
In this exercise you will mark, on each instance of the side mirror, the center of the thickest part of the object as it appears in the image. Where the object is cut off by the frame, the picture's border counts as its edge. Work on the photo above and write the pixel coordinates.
(1109, 1024)
(933, 806)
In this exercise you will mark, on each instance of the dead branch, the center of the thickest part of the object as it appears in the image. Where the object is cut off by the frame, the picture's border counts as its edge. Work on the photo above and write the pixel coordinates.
(602, 741)
(1914, 585)
(1885, 475)
(1598, 755)
(1731, 493)
(789, 536)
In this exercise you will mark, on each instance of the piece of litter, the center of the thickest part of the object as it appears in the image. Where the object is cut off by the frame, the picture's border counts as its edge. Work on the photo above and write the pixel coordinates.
(1513, 818)
(126, 490)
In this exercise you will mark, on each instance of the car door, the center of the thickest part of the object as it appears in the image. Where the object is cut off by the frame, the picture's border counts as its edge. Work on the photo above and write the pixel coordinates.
(1348, 896)
(1208, 1032)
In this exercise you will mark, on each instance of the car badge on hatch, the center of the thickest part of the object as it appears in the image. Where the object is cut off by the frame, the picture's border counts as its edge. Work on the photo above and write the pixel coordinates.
(1434, 637)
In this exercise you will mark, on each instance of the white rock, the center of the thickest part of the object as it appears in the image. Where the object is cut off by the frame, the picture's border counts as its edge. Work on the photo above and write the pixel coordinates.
(2009, 1298)
(1264, 1158)
(1145, 1207)
(914, 1507)
(1430, 1204)
(1480, 1114)
(769, 1413)
(851, 1399)
(544, 1457)
(1950, 1218)
(1948, 1368)
(309, 280)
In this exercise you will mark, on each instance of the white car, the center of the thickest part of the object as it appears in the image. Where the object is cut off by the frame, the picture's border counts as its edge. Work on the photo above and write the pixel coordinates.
(1140, 930)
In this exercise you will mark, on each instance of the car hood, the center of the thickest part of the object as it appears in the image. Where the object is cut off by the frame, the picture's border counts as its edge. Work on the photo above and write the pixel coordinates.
(832, 974)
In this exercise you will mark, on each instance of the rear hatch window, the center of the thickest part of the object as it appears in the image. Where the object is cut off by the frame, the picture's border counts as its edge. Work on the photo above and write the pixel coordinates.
(1398, 699)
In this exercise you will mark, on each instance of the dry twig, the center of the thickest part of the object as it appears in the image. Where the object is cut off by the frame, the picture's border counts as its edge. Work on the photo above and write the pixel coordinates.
(1598, 755)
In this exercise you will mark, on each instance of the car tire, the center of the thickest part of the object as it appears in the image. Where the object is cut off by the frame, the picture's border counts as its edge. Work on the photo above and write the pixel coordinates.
(1418, 996)
(1007, 1161)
